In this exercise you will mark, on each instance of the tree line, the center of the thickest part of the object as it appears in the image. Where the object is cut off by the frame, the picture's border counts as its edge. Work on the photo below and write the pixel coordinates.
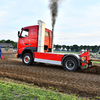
(72, 48)
(76, 48)
(9, 41)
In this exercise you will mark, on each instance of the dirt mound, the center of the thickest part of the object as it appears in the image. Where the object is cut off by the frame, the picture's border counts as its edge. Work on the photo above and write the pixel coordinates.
(9, 51)
(95, 69)
(83, 83)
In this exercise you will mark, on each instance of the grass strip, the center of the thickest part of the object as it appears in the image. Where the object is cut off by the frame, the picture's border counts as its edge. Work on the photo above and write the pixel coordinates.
(96, 62)
(13, 91)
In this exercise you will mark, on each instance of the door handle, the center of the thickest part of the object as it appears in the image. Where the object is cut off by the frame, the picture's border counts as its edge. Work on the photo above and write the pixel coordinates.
(26, 44)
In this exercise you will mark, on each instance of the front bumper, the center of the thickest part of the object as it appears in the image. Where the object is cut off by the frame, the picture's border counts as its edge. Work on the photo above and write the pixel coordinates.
(18, 55)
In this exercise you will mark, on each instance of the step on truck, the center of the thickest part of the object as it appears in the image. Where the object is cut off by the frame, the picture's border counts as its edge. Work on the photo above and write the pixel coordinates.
(35, 44)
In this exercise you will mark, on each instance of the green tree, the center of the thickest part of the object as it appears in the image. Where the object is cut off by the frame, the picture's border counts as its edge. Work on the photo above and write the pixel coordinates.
(8, 41)
(57, 47)
(2, 41)
(63, 46)
(76, 48)
(67, 47)
(95, 48)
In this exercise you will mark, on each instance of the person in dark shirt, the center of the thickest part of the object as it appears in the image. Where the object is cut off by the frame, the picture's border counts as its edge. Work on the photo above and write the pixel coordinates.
(99, 49)
(0, 52)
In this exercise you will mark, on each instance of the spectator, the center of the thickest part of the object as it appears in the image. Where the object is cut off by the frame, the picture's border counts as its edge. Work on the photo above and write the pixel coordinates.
(0, 52)
(99, 49)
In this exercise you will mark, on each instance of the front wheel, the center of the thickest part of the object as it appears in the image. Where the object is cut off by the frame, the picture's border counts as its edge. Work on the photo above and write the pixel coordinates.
(27, 59)
(70, 64)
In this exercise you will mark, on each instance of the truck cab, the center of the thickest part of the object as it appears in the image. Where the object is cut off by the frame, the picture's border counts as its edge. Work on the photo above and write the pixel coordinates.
(29, 38)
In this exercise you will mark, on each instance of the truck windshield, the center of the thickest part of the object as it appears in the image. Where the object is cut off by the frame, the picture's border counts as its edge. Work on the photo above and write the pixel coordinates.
(25, 33)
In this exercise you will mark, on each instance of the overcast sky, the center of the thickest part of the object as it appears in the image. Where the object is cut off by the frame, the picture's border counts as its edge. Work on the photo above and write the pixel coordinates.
(78, 21)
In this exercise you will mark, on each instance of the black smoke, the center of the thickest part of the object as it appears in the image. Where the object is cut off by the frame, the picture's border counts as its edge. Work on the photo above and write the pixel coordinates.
(53, 6)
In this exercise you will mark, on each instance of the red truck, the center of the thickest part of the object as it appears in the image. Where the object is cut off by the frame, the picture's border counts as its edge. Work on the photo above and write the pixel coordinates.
(35, 45)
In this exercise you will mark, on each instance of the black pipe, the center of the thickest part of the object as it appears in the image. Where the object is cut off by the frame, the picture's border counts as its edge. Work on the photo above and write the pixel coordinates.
(52, 37)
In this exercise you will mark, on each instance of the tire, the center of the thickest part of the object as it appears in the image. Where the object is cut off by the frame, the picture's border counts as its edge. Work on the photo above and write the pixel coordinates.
(70, 64)
(27, 59)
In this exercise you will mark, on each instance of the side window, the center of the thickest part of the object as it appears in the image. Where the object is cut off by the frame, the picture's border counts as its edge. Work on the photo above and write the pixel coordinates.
(47, 34)
(25, 33)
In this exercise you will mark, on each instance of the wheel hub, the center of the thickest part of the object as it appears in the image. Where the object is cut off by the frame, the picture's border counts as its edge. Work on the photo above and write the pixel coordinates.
(26, 59)
(70, 64)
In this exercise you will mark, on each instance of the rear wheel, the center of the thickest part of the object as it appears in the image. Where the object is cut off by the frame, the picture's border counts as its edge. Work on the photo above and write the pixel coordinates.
(70, 64)
(27, 59)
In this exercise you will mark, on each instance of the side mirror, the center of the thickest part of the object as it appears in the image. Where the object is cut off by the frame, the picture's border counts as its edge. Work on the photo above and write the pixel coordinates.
(18, 33)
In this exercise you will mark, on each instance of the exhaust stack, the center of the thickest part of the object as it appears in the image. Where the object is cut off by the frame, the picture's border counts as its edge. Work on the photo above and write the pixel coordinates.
(52, 38)
(41, 36)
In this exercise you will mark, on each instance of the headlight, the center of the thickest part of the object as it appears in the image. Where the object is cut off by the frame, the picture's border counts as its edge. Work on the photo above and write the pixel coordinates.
(83, 58)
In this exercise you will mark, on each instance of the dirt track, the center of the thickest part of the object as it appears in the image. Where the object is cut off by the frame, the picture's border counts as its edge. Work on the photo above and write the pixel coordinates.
(84, 83)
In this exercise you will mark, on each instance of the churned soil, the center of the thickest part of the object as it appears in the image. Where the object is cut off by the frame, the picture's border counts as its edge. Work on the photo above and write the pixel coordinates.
(85, 83)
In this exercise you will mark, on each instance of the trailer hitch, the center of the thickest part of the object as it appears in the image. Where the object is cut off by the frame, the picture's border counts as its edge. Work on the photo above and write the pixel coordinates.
(86, 65)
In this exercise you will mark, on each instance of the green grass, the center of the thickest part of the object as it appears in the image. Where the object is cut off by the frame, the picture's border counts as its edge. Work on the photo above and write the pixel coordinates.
(13, 91)
(98, 98)
(96, 62)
